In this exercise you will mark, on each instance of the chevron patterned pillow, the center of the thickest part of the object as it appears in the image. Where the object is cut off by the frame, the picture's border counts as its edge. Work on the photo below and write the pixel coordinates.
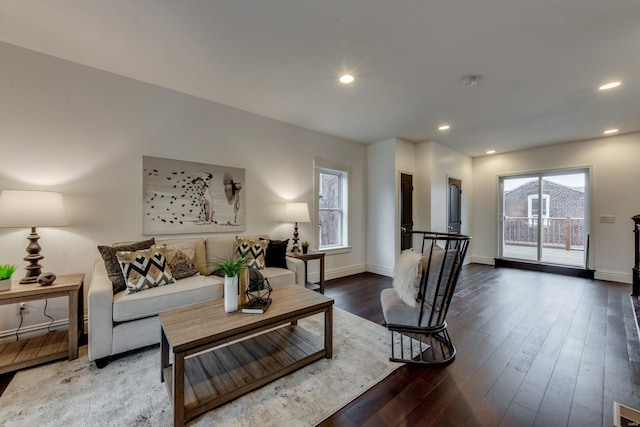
(145, 268)
(253, 250)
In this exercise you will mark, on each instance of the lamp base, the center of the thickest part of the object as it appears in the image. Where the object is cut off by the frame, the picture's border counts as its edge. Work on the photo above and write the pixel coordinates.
(34, 269)
(295, 248)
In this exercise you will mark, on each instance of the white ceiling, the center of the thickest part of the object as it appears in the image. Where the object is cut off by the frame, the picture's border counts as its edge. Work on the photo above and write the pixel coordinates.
(541, 61)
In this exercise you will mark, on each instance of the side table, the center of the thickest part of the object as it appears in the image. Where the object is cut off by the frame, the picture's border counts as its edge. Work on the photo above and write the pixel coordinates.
(309, 257)
(32, 351)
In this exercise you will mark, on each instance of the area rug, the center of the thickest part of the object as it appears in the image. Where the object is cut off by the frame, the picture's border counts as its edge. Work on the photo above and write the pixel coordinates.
(128, 391)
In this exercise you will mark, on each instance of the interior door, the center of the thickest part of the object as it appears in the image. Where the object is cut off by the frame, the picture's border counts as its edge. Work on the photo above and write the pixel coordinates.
(406, 210)
(454, 209)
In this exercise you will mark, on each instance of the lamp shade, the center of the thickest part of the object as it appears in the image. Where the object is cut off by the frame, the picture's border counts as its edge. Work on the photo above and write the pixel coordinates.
(296, 212)
(31, 209)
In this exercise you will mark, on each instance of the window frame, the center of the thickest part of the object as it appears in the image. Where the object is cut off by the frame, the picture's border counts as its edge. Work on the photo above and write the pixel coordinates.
(324, 167)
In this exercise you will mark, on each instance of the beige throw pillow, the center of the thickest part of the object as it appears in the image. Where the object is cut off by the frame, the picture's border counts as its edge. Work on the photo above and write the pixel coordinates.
(181, 259)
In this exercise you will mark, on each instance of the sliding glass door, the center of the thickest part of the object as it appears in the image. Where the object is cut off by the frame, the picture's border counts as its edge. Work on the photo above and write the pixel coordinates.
(544, 217)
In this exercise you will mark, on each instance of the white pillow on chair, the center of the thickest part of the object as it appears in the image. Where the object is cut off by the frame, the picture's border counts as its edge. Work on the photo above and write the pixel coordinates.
(406, 280)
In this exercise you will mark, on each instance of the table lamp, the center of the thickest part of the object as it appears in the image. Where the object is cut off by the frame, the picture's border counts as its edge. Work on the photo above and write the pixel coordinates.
(296, 212)
(31, 209)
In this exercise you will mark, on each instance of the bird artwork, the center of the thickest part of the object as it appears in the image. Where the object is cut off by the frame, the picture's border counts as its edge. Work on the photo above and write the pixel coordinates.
(190, 197)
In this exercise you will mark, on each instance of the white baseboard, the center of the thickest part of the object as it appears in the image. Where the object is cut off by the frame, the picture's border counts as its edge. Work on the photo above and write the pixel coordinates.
(614, 276)
(33, 330)
(348, 270)
(378, 269)
(336, 273)
(38, 329)
(482, 260)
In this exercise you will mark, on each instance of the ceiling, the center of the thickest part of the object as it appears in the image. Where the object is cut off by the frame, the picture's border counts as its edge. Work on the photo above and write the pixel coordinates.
(540, 62)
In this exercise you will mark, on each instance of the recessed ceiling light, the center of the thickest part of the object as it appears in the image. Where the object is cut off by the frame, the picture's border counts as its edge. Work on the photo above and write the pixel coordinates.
(491, 152)
(346, 79)
(610, 85)
(444, 127)
(610, 131)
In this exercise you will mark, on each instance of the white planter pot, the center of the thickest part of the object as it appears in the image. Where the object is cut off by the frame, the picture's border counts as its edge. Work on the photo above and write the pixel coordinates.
(230, 294)
(5, 285)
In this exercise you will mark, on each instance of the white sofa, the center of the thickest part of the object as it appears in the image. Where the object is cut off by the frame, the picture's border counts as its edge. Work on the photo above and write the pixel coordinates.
(121, 322)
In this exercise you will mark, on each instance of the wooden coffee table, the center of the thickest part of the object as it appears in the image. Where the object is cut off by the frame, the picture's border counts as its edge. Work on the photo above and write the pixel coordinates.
(209, 370)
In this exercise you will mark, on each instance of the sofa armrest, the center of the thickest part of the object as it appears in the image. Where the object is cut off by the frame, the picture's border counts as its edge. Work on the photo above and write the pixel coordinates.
(100, 302)
(297, 266)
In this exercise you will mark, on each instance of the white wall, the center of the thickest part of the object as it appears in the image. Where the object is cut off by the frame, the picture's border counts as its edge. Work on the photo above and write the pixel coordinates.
(381, 207)
(83, 132)
(430, 164)
(615, 191)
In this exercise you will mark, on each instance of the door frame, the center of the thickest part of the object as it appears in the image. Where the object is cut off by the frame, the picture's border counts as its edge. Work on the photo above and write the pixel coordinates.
(589, 227)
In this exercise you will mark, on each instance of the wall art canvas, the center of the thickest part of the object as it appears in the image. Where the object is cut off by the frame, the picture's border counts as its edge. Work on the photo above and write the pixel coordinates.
(188, 197)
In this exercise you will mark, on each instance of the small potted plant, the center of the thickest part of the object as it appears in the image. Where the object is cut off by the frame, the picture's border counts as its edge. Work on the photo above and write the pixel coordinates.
(232, 269)
(6, 271)
(305, 247)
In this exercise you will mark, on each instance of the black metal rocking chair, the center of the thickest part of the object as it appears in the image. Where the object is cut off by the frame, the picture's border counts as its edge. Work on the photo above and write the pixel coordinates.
(422, 330)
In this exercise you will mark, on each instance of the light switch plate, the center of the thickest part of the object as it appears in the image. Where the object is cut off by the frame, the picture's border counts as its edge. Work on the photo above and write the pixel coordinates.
(607, 219)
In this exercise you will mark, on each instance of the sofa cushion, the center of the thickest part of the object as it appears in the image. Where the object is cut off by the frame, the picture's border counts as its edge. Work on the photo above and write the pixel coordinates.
(276, 255)
(112, 265)
(279, 276)
(253, 249)
(187, 291)
(199, 251)
(145, 268)
(218, 248)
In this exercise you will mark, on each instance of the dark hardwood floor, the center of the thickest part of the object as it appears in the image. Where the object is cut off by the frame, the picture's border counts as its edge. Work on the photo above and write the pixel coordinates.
(533, 349)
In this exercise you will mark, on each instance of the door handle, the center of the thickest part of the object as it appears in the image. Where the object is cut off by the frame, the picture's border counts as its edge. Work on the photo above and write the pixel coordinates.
(450, 228)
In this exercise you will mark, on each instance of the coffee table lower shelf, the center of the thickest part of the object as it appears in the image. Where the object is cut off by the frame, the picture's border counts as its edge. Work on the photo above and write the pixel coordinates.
(224, 373)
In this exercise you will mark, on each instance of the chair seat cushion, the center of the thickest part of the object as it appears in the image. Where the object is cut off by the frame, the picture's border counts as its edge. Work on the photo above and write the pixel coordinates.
(396, 312)
(187, 291)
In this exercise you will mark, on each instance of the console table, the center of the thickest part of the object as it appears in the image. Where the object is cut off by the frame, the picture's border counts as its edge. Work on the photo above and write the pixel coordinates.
(24, 353)
(310, 256)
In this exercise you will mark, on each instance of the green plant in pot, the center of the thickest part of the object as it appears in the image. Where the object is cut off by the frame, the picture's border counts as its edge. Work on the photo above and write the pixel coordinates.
(305, 247)
(6, 271)
(232, 268)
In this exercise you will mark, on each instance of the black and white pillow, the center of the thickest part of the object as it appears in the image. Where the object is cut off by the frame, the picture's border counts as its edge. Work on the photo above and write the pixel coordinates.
(114, 271)
(253, 249)
(144, 269)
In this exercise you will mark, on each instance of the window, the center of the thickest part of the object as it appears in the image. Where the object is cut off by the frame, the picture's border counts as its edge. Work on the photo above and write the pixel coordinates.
(332, 208)
(534, 206)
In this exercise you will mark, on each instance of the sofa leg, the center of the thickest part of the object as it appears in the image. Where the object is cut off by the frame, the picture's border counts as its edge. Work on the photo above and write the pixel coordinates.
(101, 363)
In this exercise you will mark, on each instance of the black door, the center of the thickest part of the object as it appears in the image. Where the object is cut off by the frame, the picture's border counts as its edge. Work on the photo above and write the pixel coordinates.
(455, 202)
(406, 210)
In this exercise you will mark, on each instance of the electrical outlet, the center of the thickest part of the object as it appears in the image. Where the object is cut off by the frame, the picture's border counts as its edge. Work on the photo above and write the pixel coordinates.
(607, 219)
(22, 308)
